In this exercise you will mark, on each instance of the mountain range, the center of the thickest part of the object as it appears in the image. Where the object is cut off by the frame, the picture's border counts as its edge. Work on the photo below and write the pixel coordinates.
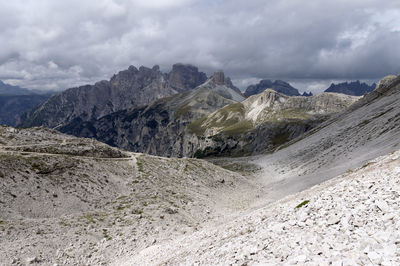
(355, 88)
(144, 110)
(73, 201)
(128, 88)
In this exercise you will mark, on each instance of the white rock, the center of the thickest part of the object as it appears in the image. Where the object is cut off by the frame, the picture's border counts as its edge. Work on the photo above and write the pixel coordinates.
(382, 205)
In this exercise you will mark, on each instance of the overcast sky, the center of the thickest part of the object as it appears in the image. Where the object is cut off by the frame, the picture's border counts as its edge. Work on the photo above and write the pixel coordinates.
(54, 44)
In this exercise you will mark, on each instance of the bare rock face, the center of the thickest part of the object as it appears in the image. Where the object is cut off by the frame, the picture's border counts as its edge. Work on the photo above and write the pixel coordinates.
(219, 78)
(127, 89)
(183, 77)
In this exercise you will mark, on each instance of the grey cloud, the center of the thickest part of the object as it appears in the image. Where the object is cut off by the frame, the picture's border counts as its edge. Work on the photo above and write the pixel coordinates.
(59, 44)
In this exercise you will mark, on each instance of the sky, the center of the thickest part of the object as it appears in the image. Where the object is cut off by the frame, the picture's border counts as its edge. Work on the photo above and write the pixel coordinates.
(57, 44)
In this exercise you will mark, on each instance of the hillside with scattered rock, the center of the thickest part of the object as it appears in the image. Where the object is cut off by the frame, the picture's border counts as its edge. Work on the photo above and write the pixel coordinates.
(66, 200)
(349, 220)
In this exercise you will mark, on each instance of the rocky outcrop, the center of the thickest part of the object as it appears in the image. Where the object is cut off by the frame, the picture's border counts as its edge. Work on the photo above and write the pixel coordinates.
(219, 78)
(355, 88)
(128, 88)
(183, 77)
(277, 85)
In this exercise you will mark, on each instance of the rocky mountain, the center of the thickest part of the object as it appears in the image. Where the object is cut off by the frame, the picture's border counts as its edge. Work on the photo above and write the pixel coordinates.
(128, 88)
(277, 85)
(159, 128)
(264, 121)
(355, 88)
(13, 106)
(183, 77)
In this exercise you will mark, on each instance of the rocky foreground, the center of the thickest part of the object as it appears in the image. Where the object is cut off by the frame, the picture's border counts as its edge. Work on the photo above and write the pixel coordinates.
(349, 220)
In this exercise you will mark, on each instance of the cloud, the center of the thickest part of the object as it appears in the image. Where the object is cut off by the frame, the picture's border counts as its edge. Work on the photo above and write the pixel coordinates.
(50, 44)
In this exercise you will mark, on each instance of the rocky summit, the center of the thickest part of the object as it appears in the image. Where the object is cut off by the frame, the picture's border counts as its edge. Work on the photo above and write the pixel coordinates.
(277, 85)
(127, 89)
(355, 88)
(183, 77)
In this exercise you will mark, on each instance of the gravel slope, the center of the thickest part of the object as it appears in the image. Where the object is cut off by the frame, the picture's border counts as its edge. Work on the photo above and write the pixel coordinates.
(351, 219)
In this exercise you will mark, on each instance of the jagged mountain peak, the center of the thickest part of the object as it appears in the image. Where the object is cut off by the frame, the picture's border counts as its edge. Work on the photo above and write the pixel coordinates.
(184, 76)
(126, 89)
(355, 88)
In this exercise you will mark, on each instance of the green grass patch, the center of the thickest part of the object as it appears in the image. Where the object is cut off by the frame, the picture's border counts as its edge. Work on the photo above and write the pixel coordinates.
(302, 204)
(238, 128)
(184, 110)
(365, 165)
(140, 165)
(280, 139)
(196, 126)
(225, 117)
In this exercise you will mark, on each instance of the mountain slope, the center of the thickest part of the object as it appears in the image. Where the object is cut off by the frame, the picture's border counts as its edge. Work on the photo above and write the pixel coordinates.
(277, 85)
(129, 88)
(368, 129)
(158, 128)
(66, 200)
(354, 88)
(264, 121)
(351, 217)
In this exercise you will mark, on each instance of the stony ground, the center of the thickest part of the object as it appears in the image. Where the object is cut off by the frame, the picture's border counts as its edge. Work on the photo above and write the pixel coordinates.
(72, 201)
(349, 220)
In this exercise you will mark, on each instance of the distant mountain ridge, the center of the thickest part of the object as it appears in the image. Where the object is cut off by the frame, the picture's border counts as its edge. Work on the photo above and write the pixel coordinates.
(12, 106)
(14, 101)
(277, 85)
(355, 88)
(7, 89)
(128, 88)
